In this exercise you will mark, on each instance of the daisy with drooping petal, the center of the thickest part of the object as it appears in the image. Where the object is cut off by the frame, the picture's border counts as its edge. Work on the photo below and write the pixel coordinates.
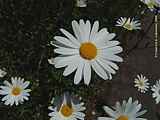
(128, 110)
(156, 91)
(15, 92)
(128, 23)
(67, 109)
(141, 82)
(81, 3)
(89, 48)
(2, 73)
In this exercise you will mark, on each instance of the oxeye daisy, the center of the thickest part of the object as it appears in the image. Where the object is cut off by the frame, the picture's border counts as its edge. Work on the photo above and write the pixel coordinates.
(128, 110)
(2, 73)
(156, 91)
(67, 109)
(128, 23)
(141, 82)
(89, 48)
(15, 92)
(81, 3)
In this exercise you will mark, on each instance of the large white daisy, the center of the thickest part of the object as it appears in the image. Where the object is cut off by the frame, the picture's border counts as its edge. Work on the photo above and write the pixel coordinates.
(89, 48)
(156, 91)
(15, 92)
(66, 111)
(141, 82)
(128, 23)
(128, 110)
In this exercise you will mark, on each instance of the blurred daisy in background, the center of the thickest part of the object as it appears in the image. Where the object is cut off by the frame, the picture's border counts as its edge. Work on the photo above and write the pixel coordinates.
(153, 5)
(2, 73)
(81, 3)
(15, 92)
(89, 48)
(156, 91)
(128, 110)
(67, 108)
(141, 82)
(128, 23)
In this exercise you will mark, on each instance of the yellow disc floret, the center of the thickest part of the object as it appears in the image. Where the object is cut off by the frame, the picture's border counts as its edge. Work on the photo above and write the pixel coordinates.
(88, 50)
(16, 91)
(66, 111)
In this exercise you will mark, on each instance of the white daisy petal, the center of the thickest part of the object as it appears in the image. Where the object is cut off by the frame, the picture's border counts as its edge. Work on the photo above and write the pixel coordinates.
(94, 30)
(77, 31)
(66, 51)
(87, 73)
(70, 36)
(99, 70)
(65, 41)
(79, 72)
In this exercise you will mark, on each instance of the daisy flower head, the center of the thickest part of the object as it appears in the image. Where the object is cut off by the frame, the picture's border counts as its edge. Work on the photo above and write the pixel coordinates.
(128, 110)
(89, 48)
(156, 91)
(81, 3)
(141, 82)
(15, 92)
(128, 23)
(67, 109)
(2, 73)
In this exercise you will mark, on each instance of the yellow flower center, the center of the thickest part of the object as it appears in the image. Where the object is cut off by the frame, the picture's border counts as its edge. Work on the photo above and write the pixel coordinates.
(16, 91)
(66, 111)
(128, 26)
(88, 50)
(141, 83)
(122, 117)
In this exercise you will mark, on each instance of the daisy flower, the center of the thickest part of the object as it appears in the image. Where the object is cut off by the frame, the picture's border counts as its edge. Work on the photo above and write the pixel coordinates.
(156, 92)
(81, 3)
(2, 73)
(15, 92)
(128, 23)
(89, 48)
(128, 110)
(141, 82)
(68, 109)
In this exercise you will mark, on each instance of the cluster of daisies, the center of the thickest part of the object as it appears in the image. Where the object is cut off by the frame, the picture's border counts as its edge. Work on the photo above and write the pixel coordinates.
(67, 107)
(143, 85)
(90, 48)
